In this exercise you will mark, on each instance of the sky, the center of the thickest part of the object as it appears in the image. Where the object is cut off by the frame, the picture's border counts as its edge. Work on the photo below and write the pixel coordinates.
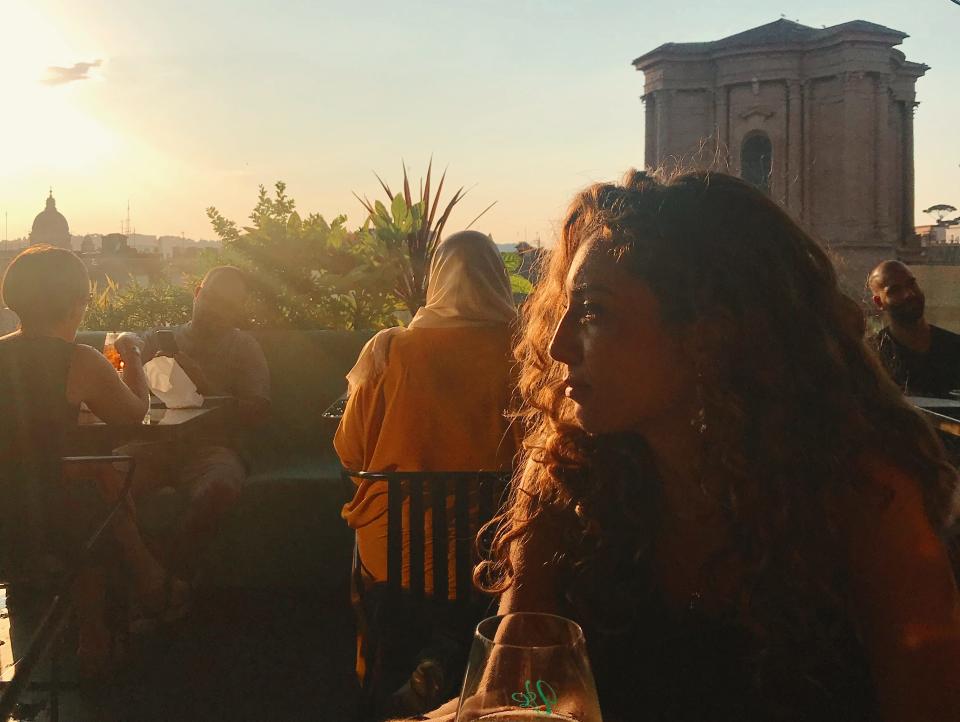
(194, 103)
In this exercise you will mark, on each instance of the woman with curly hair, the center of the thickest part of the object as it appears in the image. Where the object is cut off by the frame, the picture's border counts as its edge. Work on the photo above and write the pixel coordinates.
(721, 484)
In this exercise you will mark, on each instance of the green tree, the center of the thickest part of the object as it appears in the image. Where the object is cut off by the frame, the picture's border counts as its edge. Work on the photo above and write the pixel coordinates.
(306, 272)
(940, 210)
(138, 308)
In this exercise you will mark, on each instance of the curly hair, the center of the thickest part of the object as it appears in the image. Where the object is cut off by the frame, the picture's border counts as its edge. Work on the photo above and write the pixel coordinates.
(792, 401)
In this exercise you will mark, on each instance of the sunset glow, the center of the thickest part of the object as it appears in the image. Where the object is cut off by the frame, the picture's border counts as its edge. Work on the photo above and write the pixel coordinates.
(178, 108)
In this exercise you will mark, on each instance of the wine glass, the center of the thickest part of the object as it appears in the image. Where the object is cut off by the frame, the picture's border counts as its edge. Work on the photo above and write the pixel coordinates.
(528, 666)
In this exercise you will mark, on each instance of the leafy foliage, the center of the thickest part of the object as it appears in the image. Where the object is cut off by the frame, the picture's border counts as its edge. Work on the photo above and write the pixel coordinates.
(138, 308)
(305, 273)
(308, 273)
(411, 230)
(940, 210)
(518, 284)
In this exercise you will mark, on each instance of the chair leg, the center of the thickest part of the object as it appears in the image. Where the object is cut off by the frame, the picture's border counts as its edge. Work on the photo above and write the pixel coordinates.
(55, 678)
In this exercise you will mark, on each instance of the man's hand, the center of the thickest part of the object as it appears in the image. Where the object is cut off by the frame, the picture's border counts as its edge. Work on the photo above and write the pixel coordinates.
(128, 345)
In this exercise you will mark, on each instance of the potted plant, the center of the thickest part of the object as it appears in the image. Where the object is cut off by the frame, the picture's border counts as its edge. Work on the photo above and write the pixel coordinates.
(411, 228)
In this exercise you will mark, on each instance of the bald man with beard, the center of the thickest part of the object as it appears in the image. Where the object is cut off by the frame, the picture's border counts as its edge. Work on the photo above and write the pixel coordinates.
(221, 360)
(924, 360)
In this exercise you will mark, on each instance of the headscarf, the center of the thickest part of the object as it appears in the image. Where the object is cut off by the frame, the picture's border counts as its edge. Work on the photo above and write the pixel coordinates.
(468, 285)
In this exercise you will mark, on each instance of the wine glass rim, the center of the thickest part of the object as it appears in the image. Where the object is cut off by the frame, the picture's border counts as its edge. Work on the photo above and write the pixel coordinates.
(577, 639)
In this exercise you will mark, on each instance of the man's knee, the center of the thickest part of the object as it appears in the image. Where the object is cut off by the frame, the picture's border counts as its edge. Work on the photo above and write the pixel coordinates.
(217, 477)
(219, 490)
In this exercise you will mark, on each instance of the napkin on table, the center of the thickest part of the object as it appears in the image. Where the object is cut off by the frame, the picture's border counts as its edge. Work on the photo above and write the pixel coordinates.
(170, 383)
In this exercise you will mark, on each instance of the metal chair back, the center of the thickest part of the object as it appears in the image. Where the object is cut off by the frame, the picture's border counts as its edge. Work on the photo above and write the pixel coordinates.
(430, 490)
(475, 497)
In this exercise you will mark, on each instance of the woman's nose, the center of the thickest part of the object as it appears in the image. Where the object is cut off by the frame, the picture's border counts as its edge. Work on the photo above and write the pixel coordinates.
(563, 345)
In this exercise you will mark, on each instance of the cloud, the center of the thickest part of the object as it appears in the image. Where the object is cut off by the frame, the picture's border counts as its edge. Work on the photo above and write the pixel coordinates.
(57, 75)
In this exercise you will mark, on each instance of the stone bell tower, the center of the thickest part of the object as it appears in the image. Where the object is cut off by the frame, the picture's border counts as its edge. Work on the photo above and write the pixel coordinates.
(821, 119)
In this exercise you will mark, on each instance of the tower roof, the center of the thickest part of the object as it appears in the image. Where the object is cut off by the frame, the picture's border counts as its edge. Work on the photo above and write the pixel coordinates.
(778, 33)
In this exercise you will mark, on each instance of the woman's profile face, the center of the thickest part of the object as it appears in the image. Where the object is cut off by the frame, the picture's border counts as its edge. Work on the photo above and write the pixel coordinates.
(625, 369)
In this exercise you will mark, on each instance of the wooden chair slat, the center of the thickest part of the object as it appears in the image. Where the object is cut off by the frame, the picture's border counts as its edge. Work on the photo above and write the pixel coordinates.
(463, 549)
(416, 521)
(394, 534)
(469, 491)
(438, 493)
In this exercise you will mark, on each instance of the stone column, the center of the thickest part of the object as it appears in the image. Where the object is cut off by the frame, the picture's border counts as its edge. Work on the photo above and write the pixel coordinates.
(858, 210)
(664, 103)
(722, 115)
(907, 231)
(793, 176)
(650, 156)
(806, 196)
(883, 155)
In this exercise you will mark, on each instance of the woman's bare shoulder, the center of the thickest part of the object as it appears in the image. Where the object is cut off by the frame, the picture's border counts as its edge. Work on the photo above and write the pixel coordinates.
(904, 597)
(886, 487)
(87, 360)
(888, 527)
(89, 372)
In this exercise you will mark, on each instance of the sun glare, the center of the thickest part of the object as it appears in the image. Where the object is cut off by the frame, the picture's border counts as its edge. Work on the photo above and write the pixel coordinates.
(46, 125)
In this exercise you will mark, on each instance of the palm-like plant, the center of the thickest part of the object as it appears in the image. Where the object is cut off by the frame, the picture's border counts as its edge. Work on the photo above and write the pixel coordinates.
(411, 229)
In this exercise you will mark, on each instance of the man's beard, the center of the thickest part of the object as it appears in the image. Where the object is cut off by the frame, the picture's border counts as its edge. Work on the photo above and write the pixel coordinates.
(907, 313)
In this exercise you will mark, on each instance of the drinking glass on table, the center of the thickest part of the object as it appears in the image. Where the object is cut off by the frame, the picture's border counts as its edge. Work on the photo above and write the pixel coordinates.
(528, 666)
(110, 350)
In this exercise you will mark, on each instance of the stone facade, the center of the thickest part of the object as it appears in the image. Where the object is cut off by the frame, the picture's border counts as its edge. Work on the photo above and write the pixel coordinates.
(821, 118)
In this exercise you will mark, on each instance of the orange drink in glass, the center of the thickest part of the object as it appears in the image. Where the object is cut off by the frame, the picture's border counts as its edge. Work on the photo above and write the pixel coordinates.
(110, 351)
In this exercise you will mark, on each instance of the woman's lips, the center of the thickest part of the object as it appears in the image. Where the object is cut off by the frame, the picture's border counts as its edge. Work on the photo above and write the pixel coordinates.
(575, 390)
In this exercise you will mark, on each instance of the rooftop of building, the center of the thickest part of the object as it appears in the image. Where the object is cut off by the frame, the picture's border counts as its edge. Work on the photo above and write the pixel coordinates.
(778, 33)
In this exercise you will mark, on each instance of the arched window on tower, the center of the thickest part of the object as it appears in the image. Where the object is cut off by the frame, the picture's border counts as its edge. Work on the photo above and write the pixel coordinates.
(756, 155)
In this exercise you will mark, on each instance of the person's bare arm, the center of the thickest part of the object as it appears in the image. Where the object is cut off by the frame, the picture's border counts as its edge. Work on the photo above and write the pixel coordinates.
(905, 602)
(130, 348)
(94, 381)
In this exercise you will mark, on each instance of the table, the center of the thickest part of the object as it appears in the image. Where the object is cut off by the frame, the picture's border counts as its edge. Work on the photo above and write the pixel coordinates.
(93, 436)
(943, 414)
(336, 409)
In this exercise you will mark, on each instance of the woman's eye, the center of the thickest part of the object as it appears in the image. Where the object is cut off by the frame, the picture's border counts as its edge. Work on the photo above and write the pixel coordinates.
(589, 312)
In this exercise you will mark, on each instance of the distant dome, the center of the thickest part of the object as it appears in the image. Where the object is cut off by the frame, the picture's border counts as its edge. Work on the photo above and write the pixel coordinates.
(50, 226)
